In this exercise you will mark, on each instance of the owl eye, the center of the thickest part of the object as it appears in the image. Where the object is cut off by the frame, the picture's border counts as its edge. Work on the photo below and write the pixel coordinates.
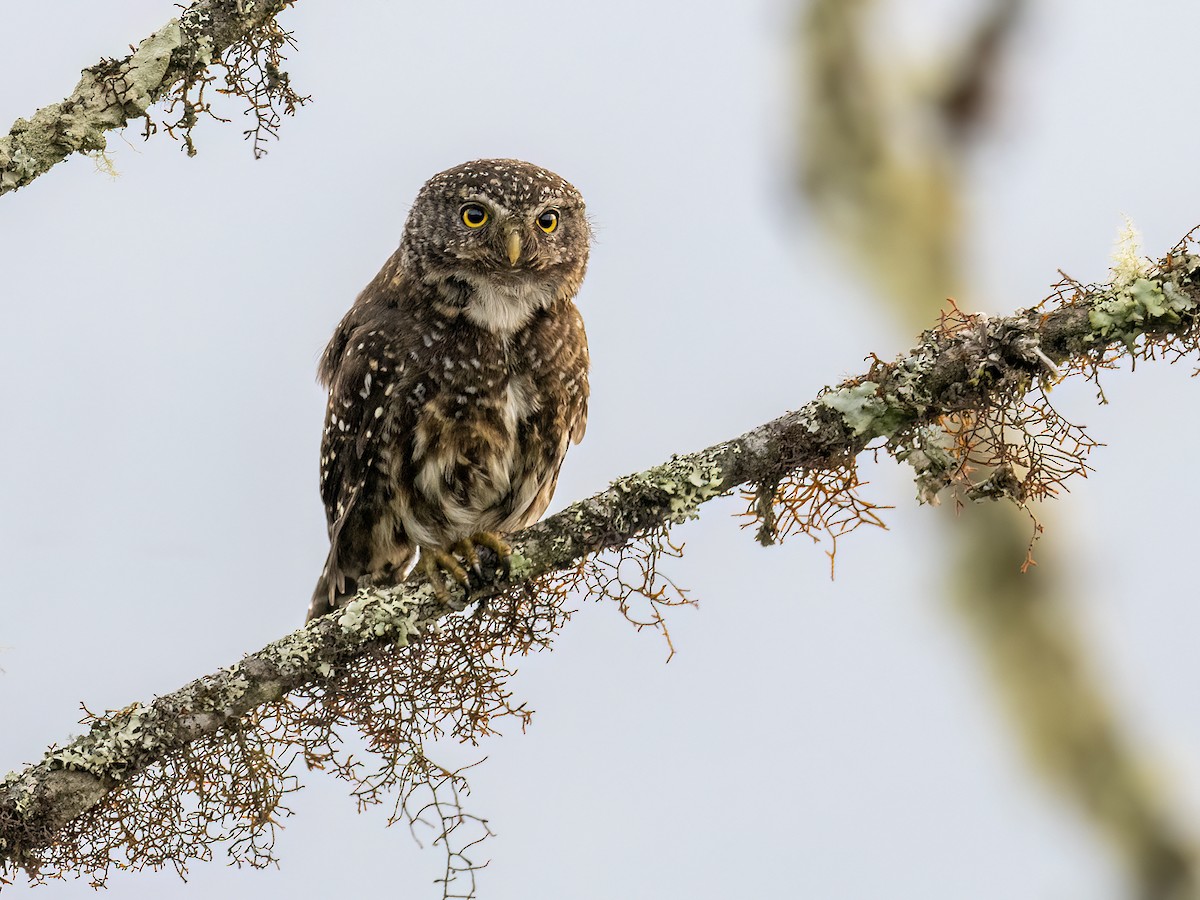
(548, 221)
(474, 215)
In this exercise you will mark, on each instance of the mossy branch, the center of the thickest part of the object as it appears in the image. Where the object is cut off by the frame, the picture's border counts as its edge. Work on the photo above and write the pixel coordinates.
(173, 64)
(395, 640)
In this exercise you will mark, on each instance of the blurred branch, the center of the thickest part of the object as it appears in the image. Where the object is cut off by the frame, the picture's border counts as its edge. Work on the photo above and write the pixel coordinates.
(218, 729)
(1070, 729)
(172, 64)
(966, 92)
(876, 174)
(882, 160)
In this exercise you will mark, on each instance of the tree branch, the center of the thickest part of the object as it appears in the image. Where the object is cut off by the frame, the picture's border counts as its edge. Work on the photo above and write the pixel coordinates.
(111, 93)
(964, 370)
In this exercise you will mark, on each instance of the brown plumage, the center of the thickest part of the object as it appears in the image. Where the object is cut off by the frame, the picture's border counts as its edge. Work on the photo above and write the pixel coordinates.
(458, 377)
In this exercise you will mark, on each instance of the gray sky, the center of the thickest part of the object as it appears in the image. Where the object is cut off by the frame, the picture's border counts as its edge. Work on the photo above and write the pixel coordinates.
(159, 514)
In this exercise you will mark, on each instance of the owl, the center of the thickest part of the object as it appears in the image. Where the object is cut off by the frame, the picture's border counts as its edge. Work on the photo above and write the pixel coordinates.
(456, 381)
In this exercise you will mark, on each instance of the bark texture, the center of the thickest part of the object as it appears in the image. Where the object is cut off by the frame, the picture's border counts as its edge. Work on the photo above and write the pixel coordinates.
(114, 92)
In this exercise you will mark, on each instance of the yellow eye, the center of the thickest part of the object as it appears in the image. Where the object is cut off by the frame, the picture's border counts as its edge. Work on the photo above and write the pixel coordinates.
(548, 220)
(474, 215)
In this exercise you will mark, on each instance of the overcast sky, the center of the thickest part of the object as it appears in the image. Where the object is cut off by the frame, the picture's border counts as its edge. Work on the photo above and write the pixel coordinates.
(159, 513)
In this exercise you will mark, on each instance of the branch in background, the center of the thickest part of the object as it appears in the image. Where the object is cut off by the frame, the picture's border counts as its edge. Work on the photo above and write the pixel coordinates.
(172, 64)
(967, 92)
(883, 162)
(158, 784)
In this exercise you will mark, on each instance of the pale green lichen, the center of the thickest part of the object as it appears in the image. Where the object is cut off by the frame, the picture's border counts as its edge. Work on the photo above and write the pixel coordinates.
(204, 50)
(687, 482)
(20, 164)
(928, 451)
(384, 613)
(519, 567)
(234, 689)
(17, 163)
(100, 101)
(106, 752)
(292, 654)
(865, 412)
(193, 24)
(907, 386)
(1125, 312)
(144, 74)
(194, 20)
(21, 788)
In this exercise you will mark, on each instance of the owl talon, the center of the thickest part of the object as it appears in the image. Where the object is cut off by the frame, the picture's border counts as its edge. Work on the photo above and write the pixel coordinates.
(466, 549)
(493, 542)
(433, 563)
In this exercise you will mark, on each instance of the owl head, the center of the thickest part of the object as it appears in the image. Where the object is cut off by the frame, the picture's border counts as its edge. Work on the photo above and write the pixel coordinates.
(502, 220)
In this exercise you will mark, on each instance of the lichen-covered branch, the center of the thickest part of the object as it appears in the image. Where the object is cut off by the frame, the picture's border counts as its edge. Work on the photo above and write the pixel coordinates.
(171, 64)
(404, 668)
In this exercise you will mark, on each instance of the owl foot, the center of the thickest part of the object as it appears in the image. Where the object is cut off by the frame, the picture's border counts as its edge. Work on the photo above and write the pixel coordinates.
(433, 563)
(466, 549)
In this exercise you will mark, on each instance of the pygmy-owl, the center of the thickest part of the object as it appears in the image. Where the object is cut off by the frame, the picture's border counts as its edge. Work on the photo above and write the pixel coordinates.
(456, 380)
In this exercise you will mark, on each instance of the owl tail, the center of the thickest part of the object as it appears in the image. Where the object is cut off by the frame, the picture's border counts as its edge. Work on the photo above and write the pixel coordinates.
(320, 604)
(332, 587)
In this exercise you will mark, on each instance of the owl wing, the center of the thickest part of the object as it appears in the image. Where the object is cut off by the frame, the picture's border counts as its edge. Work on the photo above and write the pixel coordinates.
(575, 425)
(578, 423)
(578, 388)
(562, 417)
(359, 369)
(575, 361)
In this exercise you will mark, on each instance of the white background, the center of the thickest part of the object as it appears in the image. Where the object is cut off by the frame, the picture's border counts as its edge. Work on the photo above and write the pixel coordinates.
(159, 514)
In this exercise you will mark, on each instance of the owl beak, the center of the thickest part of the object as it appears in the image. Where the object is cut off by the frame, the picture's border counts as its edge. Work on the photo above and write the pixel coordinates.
(513, 245)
